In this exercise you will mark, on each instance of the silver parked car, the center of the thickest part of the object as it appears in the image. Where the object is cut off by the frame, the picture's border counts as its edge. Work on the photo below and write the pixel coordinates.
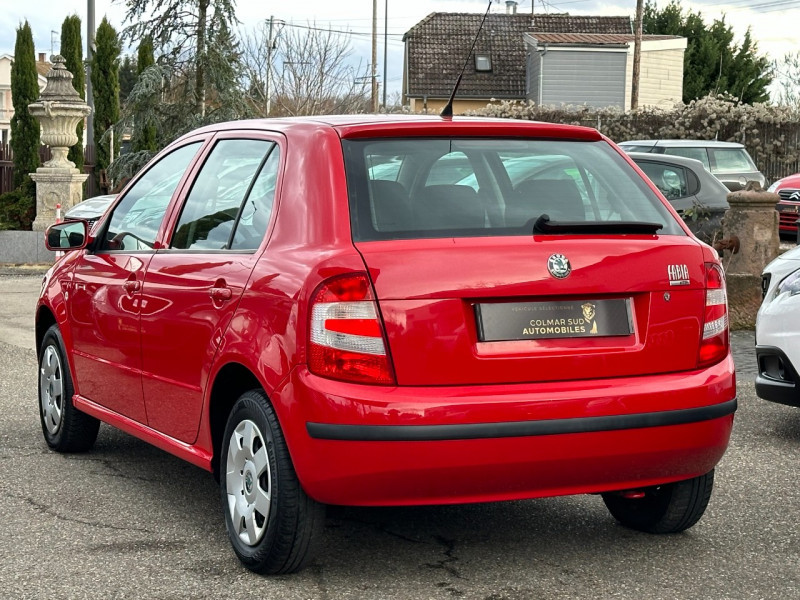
(699, 197)
(727, 161)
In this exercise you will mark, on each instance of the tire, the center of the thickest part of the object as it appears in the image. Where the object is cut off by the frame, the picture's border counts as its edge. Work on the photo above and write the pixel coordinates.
(669, 508)
(273, 526)
(65, 428)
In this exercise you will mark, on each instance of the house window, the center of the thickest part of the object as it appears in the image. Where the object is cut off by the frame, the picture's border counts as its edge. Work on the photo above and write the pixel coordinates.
(483, 62)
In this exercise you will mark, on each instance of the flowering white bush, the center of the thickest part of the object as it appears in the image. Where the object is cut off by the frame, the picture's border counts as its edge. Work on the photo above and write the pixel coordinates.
(771, 134)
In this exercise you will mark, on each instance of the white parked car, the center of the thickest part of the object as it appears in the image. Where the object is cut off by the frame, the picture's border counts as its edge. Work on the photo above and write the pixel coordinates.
(777, 343)
(90, 209)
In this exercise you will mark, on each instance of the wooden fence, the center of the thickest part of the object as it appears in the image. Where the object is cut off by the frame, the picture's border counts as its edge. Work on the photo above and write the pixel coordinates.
(7, 169)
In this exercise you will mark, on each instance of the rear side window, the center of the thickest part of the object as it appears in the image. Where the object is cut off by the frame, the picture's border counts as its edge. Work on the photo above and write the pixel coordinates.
(228, 198)
(489, 187)
(670, 179)
(732, 160)
(696, 153)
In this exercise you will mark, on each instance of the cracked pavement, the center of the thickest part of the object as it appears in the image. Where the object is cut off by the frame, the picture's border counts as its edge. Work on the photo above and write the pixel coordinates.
(129, 521)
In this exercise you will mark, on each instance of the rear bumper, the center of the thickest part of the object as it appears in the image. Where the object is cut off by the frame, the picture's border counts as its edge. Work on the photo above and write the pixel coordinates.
(372, 445)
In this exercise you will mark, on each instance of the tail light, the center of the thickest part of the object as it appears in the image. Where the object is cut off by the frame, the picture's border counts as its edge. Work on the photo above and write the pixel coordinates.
(715, 343)
(346, 335)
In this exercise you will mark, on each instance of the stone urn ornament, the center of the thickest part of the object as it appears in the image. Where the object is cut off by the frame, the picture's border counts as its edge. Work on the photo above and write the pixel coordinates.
(59, 109)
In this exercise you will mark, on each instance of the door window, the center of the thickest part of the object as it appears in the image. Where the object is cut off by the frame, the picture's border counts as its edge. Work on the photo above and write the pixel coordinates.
(696, 153)
(136, 219)
(257, 208)
(235, 172)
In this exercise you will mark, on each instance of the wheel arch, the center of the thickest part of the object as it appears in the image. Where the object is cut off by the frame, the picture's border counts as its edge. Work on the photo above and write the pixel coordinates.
(230, 382)
(45, 319)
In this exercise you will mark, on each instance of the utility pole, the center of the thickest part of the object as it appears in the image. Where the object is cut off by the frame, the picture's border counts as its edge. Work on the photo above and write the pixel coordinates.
(268, 82)
(637, 55)
(90, 48)
(385, 45)
(374, 56)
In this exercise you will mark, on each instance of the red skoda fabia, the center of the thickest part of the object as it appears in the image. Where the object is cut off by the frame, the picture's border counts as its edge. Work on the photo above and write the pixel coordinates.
(393, 311)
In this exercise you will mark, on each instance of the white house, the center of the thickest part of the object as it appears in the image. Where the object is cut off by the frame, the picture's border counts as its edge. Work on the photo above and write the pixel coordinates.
(6, 105)
(597, 69)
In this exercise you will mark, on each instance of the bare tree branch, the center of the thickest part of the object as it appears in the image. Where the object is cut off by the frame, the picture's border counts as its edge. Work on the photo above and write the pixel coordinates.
(314, 72)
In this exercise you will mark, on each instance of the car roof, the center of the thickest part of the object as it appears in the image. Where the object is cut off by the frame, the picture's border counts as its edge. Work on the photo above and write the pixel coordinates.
(682, 143)
(372, 125)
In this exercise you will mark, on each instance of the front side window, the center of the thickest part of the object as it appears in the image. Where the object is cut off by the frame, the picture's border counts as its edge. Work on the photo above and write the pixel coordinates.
(136, 220)
(485, 187)
(214, 205)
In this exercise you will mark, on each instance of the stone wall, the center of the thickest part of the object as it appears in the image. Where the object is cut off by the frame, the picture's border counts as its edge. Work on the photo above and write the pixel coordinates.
(24, 247)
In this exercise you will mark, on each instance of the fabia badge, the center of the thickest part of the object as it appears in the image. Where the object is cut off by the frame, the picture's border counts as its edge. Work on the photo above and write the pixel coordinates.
(678, 274)
(559, 266)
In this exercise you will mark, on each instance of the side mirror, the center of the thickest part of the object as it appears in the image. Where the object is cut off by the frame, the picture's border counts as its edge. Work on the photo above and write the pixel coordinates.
(70, 235)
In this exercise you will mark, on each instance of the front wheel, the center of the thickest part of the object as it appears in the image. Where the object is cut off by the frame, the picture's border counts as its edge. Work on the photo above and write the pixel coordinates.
(65, 428)
(272, 524)
(669, 508)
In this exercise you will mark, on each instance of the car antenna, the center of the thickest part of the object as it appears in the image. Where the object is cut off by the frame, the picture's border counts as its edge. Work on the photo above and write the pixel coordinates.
(447, 111)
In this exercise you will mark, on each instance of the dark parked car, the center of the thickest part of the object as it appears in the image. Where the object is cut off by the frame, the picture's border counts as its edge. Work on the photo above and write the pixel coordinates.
(263, 301)
(699, 197)
(728, 161)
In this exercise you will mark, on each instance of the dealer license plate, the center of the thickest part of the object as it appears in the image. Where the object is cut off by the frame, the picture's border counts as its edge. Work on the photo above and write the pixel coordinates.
(554, 319)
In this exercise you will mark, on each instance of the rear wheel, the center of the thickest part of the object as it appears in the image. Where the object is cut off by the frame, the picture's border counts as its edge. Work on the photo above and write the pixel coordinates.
(273, 525)
(668, 508)
(65, 428)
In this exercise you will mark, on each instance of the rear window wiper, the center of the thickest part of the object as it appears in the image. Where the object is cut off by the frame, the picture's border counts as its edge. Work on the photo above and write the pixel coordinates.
(544, 225)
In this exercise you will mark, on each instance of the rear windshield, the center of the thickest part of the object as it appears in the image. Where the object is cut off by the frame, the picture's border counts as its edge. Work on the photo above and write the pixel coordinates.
(732, 160)
(429, 188)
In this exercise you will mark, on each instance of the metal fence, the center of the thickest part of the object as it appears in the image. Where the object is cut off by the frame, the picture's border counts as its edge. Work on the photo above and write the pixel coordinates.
(7, 169)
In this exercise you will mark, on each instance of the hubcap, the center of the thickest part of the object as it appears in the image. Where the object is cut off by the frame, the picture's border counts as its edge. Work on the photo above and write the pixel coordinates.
(248, 482)
(51, 389)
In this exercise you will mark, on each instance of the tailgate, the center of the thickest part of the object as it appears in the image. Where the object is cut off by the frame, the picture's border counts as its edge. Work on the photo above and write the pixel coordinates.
(488, 310)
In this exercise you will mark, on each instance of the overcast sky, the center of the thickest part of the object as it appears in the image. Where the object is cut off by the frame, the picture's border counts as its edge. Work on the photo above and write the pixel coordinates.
(773, 22)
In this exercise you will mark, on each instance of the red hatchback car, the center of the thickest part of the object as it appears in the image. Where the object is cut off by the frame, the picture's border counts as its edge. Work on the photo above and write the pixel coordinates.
(365, 310)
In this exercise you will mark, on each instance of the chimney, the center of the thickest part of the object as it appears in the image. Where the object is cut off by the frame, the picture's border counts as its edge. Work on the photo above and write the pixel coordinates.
(41, 57)
(511, 7)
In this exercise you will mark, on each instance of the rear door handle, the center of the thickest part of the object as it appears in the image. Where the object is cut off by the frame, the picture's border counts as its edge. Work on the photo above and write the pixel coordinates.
(220, 293)
(132, 285)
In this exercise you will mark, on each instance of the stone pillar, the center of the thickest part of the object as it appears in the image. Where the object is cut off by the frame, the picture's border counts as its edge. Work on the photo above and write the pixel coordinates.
(58, 109)
(753, 219)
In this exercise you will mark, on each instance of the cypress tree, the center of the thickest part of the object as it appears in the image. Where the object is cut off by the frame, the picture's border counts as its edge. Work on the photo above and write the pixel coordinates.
(72, 51)
(25, 137)
(144, 137)
(105, 86)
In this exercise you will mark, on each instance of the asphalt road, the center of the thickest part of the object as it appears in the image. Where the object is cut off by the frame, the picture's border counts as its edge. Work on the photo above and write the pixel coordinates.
(129, 521)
